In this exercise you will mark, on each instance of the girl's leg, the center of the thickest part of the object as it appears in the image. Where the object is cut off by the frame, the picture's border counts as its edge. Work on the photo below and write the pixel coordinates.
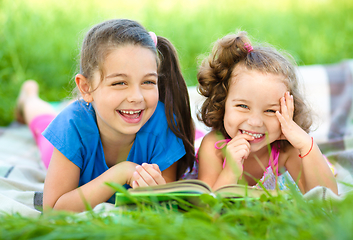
(29, 105)
(37, 114)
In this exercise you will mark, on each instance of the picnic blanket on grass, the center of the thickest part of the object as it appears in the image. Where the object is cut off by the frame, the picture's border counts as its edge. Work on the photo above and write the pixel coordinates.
(22, 173)
(329, 89)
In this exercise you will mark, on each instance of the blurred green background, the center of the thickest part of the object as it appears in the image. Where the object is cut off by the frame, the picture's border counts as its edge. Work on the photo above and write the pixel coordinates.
(40, 39)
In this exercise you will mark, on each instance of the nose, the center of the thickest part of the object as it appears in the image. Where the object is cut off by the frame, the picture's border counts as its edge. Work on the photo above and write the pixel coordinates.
(255, 119)
(135, 95)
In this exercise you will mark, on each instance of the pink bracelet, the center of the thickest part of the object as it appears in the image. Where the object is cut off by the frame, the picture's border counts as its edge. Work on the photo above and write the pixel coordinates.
(312, 143)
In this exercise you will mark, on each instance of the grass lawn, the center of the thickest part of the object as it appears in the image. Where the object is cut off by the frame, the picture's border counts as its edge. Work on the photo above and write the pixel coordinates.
(269, 218)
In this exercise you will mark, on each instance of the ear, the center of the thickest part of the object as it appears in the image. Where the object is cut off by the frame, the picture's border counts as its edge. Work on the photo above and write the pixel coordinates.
(84, 87)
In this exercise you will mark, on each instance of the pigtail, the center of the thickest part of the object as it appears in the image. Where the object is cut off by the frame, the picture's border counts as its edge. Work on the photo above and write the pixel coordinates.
(174, 94)
(214, 74)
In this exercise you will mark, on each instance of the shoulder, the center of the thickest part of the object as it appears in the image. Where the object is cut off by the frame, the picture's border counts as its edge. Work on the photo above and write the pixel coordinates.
(210, 159)
(76, 111)
(79, 115)
(211, 138)
(74, 127)
(77, 119)
(207, 147)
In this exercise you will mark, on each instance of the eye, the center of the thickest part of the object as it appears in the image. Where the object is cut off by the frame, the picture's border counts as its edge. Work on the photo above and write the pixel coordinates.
(270, 111)
(242, 106)
(118, 83)
(153, 82)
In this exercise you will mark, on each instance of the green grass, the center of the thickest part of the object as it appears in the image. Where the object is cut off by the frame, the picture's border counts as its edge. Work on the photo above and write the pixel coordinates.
(41, 39)
(273, 218)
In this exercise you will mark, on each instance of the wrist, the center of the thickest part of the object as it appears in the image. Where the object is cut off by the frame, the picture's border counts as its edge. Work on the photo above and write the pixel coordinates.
(232, 172)
(305, 151)
(124, 172)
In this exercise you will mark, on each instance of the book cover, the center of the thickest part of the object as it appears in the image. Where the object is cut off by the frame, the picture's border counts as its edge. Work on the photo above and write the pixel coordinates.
(188, 190)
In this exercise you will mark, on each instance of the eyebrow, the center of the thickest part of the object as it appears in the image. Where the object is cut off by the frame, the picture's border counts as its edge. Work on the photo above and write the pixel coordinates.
(239, 100)
(274, 105)
(246, 101)
(113, 75)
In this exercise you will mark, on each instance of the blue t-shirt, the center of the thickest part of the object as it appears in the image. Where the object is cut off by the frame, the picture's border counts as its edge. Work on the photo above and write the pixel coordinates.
(74, 132)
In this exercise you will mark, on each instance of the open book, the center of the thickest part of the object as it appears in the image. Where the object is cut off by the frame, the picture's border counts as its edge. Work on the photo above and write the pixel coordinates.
(189, 190)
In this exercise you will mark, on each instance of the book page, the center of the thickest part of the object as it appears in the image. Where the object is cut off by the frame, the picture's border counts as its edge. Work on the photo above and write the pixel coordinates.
(182, 186)
(233, 190)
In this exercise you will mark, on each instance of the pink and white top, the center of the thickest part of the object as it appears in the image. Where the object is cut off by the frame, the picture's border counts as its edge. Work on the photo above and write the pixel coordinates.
(270, 178)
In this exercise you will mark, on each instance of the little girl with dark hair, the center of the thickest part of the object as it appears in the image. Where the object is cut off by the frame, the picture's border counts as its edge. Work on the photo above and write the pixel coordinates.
(132, 124)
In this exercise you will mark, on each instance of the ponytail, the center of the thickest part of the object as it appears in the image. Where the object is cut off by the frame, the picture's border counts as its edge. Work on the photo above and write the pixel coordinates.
(173, 93)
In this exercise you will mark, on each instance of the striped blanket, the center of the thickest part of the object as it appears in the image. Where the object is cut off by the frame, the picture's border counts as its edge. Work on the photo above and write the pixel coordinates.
(22, 173)
(328, 88)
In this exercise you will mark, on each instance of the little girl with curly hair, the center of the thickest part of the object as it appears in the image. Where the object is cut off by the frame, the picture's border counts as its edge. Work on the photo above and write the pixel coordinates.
(259, 120)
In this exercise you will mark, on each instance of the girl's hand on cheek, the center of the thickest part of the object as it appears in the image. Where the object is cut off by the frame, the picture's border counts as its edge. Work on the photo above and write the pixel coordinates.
(147, 175)
(290, 130)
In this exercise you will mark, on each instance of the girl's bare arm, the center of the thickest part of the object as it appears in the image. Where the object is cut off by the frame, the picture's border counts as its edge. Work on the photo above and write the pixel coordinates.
(61, 191)
(312, 170)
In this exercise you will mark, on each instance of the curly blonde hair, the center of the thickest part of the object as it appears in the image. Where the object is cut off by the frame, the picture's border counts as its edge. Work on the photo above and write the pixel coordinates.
(233, 51)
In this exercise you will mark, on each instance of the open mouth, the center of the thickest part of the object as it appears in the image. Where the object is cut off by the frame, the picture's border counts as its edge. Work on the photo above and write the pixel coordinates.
(255, 135)
(130, 114)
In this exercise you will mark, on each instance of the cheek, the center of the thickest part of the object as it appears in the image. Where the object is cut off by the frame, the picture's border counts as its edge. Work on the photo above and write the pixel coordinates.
(230, 125)
(152, 97)
(275, 126)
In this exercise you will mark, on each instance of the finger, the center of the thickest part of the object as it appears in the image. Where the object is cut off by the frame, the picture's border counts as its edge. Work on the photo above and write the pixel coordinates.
(237, 153)
(241, 137)
(151, 168)
(284, 125)
(145, 175)
(154, 171)
(135, 184)
(284, 108)
(281, 119)
(150, 175)
(243, 154)
(155, 167)
(240, 141)
(243, 145)
(157, 174)
(290, 104)
(139, 181)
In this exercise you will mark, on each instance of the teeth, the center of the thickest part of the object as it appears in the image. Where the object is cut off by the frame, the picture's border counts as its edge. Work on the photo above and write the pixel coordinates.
(130, 112)
(255, 135)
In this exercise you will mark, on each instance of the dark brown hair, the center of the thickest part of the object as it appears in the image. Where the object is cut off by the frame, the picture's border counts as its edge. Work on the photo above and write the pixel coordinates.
(107, 36)
(233, 52)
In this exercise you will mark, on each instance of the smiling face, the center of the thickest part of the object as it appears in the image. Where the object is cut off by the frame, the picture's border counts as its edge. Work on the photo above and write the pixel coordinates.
(128, 95)
(253, 98)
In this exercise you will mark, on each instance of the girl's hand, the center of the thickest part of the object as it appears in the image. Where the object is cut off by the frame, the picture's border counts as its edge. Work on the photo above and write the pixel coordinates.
(290, 130)
(147, 175)
(238, 149)
(123, 172)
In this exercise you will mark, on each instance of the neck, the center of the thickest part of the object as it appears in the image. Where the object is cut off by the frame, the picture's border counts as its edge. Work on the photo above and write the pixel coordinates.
(117, 149)
(118, 141)
(263, 153)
